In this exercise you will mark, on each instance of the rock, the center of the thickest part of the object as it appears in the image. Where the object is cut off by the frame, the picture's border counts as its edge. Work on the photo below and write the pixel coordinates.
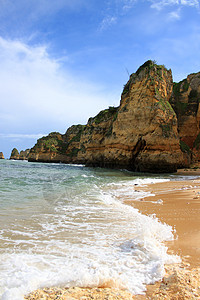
(185, 102)
(1, 155)
(24, 154)
(14, 154)
(140, 135)
(51, 148)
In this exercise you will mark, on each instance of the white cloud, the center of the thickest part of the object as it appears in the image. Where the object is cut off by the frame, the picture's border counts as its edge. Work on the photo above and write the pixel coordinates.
(157, 4)
(128, 4)
(174, 15)
(35, 93)
(190, 2)
(120, 8)
(107, 22)
(160, 4)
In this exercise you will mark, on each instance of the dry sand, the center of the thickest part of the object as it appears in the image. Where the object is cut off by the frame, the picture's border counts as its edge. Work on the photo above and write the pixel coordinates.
(176, 203)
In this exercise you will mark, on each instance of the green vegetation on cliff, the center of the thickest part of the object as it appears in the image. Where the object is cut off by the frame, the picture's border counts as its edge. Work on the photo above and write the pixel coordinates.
(197, 142)
(180, 87)
(51, 143)
(176, 100)
(151, 67)
(147, 65)
(104, 115)
(184, 147)
(166, 130)
(150, 64)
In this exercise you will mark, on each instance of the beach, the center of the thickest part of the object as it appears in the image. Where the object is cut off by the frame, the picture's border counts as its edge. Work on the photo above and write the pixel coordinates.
(176, 203)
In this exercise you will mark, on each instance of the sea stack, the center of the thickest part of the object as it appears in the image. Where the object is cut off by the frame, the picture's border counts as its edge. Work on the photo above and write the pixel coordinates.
(14, 154)
(1, 155)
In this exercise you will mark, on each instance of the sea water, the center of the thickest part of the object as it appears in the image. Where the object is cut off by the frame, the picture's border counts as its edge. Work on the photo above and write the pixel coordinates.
(67, 225)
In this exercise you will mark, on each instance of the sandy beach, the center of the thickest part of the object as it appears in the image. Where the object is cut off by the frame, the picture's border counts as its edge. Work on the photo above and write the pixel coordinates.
(176, 203)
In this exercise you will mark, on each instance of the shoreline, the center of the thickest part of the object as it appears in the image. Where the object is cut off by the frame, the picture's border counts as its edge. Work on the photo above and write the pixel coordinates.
(176, 203)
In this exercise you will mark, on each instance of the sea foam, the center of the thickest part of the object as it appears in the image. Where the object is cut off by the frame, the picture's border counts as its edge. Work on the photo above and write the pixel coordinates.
(87, 238)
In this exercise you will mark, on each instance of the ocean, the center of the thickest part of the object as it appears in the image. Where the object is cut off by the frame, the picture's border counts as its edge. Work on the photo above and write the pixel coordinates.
(68, 225)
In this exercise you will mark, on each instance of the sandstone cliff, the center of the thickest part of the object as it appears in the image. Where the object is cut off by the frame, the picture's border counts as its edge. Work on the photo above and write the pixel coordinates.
(185, 102)
(23, 155)
(51, 148)
(14, 154)
(140, 135)
(1, 155)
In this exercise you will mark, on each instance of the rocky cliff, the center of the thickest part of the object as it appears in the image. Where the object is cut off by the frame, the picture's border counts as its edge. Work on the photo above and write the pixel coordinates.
(23, 155)
(1, 155)
(140, 135)
(185, 102)
(14, 154)
(51, 148)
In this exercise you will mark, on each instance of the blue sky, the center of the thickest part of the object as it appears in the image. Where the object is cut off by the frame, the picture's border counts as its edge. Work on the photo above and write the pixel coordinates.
(62, 61)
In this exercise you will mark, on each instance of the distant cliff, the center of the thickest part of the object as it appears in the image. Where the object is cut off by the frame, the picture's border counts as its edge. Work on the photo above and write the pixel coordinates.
(23, 155)
(140, 135)
(14, 154)
(1, 155)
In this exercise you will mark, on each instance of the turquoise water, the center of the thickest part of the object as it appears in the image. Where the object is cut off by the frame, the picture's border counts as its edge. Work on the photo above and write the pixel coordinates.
(67, 225)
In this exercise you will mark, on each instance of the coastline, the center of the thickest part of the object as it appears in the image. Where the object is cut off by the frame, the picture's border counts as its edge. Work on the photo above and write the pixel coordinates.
(176, 203)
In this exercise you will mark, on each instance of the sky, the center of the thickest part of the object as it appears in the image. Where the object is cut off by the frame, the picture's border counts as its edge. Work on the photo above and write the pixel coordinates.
(62, 61)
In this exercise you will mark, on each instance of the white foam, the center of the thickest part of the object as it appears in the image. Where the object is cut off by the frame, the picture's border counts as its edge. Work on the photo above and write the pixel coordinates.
(76, 165)
(91, 239)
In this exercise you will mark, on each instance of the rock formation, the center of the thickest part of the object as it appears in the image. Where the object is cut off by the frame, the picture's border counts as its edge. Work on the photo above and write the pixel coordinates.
(185, 102)
(51, 148)
(1, 155)
(14, 154)
(23, 155)
(140, 135)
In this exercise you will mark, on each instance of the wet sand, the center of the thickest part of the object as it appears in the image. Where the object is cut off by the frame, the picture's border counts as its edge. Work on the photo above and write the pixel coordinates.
(176, 203)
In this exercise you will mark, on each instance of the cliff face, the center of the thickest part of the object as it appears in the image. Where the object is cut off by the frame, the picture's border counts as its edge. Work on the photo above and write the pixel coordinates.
(14, 154)
(140, 134)
(23, 155)
(1, 155)
(185, 102)
(49, 149)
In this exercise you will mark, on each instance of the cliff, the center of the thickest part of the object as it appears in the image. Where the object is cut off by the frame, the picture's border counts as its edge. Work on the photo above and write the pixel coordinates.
(14, 154)
(140, 135)
(1, 155)
(23, 155)
(51, 148)
(185, 102)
